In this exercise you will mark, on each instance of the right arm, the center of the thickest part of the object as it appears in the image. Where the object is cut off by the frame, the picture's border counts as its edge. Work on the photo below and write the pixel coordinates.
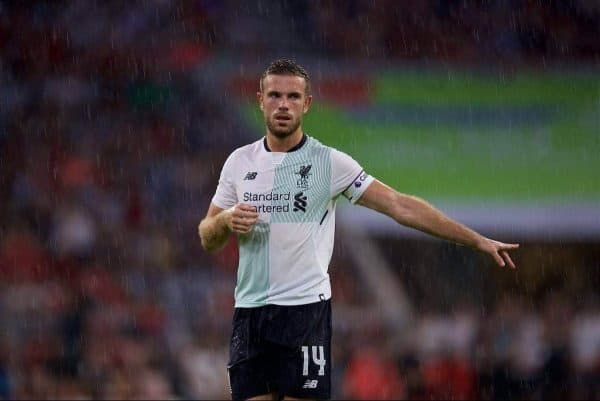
(414, 212)
(217, 226)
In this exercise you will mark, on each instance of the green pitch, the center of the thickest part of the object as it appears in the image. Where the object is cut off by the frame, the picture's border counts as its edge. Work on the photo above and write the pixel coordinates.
(459, 136)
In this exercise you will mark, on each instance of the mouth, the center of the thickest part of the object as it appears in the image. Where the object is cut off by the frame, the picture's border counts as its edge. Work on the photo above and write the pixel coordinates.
(282, 117)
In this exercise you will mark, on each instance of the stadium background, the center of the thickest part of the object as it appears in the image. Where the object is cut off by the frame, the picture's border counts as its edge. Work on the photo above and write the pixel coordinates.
(115, 118)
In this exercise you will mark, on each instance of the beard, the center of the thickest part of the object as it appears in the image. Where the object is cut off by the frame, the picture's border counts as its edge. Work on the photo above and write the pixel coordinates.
(282, 132)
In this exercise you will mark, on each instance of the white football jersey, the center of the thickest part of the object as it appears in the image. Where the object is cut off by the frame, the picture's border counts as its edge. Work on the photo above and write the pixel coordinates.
(284, 259)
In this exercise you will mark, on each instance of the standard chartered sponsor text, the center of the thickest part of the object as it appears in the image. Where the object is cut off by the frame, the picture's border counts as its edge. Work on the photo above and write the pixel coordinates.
(270, 196)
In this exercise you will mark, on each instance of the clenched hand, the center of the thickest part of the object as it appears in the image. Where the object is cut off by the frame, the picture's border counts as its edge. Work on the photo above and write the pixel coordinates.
(241, 218)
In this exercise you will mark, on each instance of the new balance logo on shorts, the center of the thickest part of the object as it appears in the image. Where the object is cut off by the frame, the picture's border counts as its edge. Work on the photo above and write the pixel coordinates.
(311, 384)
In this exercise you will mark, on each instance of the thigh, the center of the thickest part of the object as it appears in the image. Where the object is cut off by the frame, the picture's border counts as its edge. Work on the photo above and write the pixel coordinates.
(248, 379)
(248, 364)
(303, 369)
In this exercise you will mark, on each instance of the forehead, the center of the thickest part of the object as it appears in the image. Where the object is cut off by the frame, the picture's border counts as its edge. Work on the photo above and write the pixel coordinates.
(284, 83)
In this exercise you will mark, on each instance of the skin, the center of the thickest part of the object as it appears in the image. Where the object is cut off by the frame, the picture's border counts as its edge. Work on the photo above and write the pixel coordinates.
(284, 102)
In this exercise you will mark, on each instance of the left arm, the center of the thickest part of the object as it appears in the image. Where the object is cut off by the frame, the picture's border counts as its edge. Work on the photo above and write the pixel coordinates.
(414, 212)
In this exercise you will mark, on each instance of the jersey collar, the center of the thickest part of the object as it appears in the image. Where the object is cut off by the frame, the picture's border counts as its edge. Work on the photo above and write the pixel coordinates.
(295, 148)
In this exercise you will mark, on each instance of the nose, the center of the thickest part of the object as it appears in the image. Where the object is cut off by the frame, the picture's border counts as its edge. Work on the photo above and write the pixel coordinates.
(283, 104)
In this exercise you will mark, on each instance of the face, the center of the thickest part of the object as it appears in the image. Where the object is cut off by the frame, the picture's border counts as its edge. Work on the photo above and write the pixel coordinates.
(284, 102)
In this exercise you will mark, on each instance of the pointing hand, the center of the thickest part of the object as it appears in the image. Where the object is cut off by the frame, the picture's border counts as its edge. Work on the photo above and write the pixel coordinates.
(498, 250)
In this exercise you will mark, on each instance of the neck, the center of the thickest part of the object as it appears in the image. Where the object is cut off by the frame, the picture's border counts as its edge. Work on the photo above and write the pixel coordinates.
(277, 144)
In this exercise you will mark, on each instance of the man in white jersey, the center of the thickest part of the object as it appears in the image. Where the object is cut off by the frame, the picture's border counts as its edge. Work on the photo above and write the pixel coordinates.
(278, 195)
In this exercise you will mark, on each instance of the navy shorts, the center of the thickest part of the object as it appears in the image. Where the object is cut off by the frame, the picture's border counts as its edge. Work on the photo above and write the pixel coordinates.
(281, 349)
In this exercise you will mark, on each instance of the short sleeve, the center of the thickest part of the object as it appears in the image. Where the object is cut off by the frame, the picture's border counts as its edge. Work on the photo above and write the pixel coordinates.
(348, 178)
(226, 195)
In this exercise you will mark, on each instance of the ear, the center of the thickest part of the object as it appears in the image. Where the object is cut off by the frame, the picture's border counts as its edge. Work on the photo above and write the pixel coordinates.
(259, 98)
(307, 103)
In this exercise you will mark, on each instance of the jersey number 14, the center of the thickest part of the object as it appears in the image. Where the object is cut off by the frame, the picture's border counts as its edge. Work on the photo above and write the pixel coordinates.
(318, 357)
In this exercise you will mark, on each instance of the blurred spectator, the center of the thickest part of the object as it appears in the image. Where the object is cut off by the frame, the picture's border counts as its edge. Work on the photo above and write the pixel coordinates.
(202, 364)
(111, 136)
(371, 371)
(372, 375)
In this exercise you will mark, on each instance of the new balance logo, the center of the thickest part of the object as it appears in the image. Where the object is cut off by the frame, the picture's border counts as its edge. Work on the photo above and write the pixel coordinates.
(311, 384)
(300, 202)
(250, 175)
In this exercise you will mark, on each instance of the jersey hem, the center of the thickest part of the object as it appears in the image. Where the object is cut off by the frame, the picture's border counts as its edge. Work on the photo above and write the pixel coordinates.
(250, 304)
(305, 301)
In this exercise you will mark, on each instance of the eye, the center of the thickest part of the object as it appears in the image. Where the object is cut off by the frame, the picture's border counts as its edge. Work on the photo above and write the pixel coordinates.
(294, 96)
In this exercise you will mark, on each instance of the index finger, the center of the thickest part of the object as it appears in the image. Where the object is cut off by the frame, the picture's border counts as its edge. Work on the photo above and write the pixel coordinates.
(506, 257)
(246, 210)
(246, 207)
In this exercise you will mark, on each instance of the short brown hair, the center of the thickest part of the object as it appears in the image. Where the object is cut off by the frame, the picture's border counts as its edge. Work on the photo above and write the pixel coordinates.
(286, 67)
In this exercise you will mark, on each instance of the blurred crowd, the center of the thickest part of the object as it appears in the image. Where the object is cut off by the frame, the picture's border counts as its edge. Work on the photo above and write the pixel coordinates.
(110, 147)
(518, 350)
(520, 32)
(508, 31)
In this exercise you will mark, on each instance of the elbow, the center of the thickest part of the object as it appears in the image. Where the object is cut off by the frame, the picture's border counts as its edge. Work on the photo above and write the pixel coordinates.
(203, 240)
(207, 247)
(208, 243)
